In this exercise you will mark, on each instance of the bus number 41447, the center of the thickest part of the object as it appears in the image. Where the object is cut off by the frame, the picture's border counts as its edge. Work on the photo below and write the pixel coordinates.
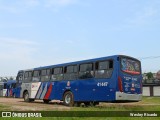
(102, 84)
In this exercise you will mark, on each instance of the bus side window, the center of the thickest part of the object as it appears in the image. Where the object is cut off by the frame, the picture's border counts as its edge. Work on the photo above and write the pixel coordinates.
(19, 77)
(36, 75)
(28, 76)
(103, 69)
(45, 75)
(70, 72)
(86, 71)
(57, 74)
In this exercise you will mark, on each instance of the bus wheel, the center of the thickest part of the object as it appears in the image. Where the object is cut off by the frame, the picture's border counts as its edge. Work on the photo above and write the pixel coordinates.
(46, 101)
(87, 104)
(26, 96)
(77, 104)
(68, 99)
(94, 103)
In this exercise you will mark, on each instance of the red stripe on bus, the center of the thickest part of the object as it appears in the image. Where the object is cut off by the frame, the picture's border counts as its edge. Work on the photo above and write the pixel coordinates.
(48, 92)
(120, 85)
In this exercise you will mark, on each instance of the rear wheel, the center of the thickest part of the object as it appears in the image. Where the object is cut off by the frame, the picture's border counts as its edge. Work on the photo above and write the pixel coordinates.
(68, 99)
(87, 104)
(46, 101)
(94, 103)
(77, 104)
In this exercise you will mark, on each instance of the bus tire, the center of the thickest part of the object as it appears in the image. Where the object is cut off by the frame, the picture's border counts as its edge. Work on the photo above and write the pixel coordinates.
(46, 101)
(87, 104)
(77, 104)
(26, 97)
(31, 100)
(94, 103)
(68, 99)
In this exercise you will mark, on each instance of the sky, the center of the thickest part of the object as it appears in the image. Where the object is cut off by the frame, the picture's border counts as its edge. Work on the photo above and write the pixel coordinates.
(37, 33)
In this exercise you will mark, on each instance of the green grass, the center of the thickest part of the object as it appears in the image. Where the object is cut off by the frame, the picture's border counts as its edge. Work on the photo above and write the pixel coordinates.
(83, 118)
(147, 104)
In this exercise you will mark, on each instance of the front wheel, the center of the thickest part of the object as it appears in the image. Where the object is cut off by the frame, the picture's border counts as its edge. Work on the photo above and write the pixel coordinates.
(68, 99)
(26, 96)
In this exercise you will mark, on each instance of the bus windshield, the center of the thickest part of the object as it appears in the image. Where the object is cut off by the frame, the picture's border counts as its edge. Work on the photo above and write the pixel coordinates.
(130, 66)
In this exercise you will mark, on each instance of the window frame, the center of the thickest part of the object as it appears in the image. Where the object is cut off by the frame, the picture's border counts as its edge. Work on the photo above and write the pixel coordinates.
(93, 70)
(37, 74)
(52, 74)
(30, 72)
(46, 74)
(71, 73)
(140, 71)
(108, 60)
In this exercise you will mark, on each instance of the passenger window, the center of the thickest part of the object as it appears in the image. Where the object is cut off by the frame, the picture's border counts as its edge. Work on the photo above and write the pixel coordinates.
(70, 72)
(36, 76)
(45, 75)
(86, 71)
(57, 74)
(28, 76)
(103, 69)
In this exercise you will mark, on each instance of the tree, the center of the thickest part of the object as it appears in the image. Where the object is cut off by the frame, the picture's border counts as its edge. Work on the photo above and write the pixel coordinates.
(149, 75)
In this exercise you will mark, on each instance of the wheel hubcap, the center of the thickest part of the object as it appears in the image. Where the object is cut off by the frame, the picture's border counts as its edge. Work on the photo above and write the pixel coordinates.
(67, 99)
(26, 97)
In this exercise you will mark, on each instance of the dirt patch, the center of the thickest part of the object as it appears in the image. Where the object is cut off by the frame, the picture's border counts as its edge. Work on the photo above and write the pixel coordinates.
(38, 105)
(18, 104)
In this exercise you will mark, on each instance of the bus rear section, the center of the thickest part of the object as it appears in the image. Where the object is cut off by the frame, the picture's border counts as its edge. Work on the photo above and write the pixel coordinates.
(11, 86)
(129, 87)
(3, 89)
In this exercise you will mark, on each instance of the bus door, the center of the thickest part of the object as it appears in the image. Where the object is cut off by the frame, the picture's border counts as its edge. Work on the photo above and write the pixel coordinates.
(17, 89)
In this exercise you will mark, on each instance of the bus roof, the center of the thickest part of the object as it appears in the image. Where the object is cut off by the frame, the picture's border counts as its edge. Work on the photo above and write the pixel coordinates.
(77, 62)
(11, 81)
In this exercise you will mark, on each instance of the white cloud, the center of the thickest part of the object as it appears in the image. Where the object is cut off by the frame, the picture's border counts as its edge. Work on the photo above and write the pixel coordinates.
(59, 3)
(18, 6)
(32, 3)
(21, 6)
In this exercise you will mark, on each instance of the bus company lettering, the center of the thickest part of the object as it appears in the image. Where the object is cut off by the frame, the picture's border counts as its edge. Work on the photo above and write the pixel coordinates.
(143, 115)
(102, 84)
(14, 114)
(130, 78)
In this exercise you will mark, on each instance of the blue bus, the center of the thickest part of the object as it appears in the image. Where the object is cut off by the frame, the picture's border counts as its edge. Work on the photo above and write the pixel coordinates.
(105, 79)
(10, 88)
(7, 88)
(3, 89)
